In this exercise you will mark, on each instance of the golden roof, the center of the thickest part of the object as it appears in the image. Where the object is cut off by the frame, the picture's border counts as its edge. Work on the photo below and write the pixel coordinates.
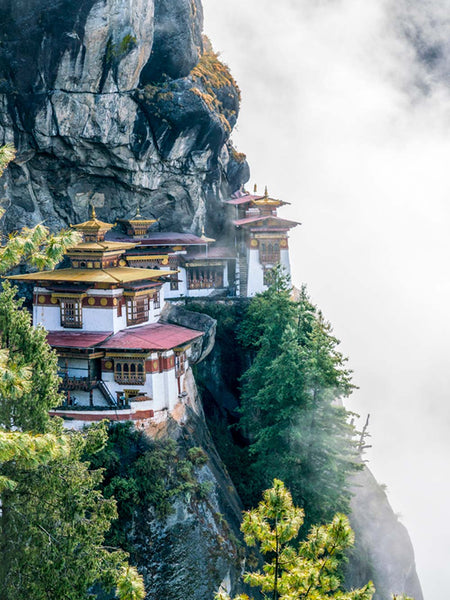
(93, 224)
(138, 219)
(101, 247)
(267, 201)
(110, 276)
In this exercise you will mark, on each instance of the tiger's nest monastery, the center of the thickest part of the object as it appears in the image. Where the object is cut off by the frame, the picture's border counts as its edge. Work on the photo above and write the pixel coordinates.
(117, 358)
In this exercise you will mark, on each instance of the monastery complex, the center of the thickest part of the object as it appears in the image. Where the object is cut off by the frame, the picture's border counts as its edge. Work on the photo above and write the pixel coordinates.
(118, 360)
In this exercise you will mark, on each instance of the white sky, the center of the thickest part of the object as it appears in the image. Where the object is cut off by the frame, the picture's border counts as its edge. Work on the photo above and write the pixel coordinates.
(335, 120)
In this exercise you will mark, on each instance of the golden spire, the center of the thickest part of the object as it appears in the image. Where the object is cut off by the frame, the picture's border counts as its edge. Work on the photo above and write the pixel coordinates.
(138, 211)
(266, 193)
(255, 189)
(93, 215)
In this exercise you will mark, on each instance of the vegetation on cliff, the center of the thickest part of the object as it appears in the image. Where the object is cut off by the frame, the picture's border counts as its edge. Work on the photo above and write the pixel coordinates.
(141, 473)
(310, 572)
(283, 363)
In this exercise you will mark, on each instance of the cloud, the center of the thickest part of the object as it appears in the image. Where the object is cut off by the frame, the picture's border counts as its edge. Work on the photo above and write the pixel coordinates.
(345, 113)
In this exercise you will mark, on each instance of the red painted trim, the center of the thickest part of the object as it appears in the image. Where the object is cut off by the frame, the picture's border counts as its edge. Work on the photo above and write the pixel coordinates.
(99, 416)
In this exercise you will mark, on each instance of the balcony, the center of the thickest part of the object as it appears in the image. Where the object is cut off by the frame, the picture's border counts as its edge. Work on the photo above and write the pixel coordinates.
(70, 383)
(129, 379)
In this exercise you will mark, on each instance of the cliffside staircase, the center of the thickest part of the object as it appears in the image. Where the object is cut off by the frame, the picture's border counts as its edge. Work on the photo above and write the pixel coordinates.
(243, 276)
(107, 394)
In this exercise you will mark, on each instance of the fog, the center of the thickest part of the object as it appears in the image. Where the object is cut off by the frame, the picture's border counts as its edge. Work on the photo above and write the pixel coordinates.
(346, 114)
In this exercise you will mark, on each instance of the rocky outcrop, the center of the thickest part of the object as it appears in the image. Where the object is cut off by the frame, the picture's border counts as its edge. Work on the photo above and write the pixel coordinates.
(383, 551)
(119, 104)
(198, 547)
(177, 315)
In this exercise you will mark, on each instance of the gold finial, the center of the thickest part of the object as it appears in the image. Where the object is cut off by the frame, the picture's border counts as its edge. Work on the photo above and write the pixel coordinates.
(138, 211)
(255, 189)
(93, 215)
(266, 193)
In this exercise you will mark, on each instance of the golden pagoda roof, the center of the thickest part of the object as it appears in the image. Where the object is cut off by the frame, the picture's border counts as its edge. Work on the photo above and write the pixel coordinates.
(106, 246)
(93, 224)
(267, 201)
(113, 275)
(138, 219)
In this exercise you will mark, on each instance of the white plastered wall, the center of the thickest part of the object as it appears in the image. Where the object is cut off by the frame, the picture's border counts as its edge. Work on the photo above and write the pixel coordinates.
(255, 281)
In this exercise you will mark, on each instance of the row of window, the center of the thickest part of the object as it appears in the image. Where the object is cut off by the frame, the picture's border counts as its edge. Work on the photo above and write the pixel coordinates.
(269, 253)
(129, 371)
(204, 278)
(137, 310)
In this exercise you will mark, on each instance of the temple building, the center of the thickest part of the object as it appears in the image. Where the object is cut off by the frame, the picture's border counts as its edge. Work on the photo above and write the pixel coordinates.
(116, 359)
(236, 267)
(261, 240)
(202, 268)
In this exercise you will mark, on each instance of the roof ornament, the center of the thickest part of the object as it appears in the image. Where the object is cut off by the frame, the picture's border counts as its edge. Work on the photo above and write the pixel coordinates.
(255, 188)
(138, 211)
(93, 214)
(266, 193)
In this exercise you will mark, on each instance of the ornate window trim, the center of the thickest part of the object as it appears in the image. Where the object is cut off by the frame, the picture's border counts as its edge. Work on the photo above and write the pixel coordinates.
(129, 371)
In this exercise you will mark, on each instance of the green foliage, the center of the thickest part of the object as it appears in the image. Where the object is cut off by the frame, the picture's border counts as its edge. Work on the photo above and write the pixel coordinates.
(29, 386)
(7, 154)
(309, 572)
(289, 402)
(36, 247)
(141, 472)
(117, 51)
(29, 451)
(130, 585)
(54, 522)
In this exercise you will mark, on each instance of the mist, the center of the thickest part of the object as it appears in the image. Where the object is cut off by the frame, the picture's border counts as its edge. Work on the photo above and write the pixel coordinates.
(346, 114)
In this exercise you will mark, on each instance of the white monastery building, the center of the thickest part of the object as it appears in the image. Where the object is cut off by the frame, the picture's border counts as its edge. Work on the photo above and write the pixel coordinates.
(117, 359)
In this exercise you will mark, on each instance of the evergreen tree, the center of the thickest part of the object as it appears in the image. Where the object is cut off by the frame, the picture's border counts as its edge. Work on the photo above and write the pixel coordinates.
(28, 351)
(52, 528)
(310, 572)
(290, 402)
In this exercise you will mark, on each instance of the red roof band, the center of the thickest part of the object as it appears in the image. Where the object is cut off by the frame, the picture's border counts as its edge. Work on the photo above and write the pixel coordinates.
(156, 336)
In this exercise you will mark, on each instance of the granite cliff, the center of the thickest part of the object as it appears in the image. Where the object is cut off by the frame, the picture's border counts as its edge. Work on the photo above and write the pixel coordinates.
(118, 104)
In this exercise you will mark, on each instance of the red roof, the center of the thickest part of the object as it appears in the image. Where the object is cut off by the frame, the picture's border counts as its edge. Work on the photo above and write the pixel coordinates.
(157, 336)
(165, 238)
(76, 339)
(283, 223)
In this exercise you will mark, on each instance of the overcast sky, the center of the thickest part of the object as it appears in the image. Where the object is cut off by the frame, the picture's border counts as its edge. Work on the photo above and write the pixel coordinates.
(346, 114)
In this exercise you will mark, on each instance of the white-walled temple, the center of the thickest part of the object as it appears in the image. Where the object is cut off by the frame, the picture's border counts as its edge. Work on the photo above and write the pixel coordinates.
(116, 360)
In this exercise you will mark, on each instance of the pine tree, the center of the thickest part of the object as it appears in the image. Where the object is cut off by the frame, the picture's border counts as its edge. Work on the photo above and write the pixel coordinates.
(28, 350)
(310, 572)
(290, 403)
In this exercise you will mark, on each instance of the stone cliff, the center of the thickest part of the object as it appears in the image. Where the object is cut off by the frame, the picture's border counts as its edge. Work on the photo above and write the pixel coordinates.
(116, 103)
(383, 550)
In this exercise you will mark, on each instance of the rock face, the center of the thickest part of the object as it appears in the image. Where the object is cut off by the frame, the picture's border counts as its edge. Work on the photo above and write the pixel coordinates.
(383, 551)
(119, 104)
(177, 315)
(198, 548)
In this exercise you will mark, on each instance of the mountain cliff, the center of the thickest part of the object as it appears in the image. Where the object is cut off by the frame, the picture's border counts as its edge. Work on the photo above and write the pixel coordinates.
(125, 104)
(119, 104)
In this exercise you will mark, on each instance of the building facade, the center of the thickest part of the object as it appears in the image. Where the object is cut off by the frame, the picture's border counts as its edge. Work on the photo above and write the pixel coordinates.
(116, 359)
